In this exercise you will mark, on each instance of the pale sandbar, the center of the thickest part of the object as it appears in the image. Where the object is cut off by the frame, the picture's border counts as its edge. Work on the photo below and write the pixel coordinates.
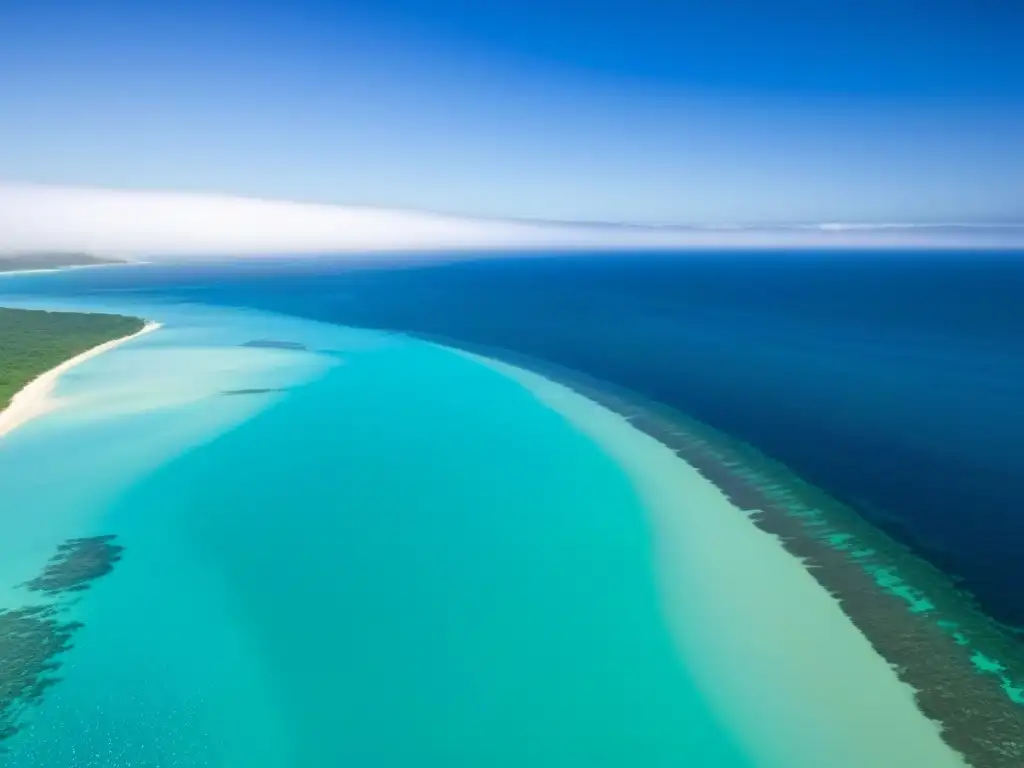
(772, 651)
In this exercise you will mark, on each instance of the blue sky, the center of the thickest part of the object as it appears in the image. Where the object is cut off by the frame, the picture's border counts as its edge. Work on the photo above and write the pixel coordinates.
(643, 111)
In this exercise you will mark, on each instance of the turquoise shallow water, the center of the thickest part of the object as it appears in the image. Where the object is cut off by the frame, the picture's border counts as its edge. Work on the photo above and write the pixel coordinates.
(400, 559)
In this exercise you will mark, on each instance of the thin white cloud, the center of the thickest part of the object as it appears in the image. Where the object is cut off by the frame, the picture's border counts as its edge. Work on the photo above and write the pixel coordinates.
(37, 217)
(937, 227)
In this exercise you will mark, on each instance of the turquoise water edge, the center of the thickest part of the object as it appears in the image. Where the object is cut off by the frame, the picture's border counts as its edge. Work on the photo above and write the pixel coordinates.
(395, 556)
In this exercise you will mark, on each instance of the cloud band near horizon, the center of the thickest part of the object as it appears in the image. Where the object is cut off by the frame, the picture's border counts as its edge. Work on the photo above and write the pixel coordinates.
(149, 223)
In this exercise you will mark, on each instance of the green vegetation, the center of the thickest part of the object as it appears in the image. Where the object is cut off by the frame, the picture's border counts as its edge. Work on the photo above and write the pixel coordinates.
(50, 260)
(33, 342)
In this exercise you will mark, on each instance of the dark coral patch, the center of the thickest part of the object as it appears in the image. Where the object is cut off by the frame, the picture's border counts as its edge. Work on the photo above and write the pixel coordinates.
(34, 636)
(275, 344)
(77, 563)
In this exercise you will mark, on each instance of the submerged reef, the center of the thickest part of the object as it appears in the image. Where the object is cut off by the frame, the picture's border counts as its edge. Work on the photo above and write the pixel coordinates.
(30, 640)
(275, 344)
(966, 669)
(77, 563)
(253, 391)
(338, 353)
(34, 636)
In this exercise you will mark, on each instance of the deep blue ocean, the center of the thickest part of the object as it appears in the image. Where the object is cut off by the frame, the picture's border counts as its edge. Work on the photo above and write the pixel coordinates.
(893, 380)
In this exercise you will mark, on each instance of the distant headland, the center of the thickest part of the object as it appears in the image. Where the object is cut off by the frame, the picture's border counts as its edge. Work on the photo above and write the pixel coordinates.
(40, 260)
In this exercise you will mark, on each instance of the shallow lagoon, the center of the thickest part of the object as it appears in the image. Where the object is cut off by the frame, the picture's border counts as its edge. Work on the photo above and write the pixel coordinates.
(396, 556)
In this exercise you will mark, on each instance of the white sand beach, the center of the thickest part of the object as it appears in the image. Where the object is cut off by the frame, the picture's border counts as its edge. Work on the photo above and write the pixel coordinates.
(772, 651)
(36, 397)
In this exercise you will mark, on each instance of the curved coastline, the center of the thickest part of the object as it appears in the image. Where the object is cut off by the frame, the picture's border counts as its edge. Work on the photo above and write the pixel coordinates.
(36, 398)
(777, 656)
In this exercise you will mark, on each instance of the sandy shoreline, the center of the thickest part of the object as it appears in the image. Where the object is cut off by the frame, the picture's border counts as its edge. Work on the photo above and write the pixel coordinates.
(36, 397)
(774, 653)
